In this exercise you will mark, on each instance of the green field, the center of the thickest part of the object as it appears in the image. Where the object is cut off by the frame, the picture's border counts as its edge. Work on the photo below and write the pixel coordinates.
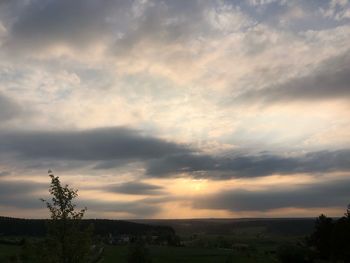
(202, 243)
(162, 254)
(204, 248)
(186, 255)
(8, 253)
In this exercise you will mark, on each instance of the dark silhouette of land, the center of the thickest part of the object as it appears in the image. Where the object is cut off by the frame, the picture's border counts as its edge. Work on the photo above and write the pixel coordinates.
(201, 240)
(37, 227)
(279, 226)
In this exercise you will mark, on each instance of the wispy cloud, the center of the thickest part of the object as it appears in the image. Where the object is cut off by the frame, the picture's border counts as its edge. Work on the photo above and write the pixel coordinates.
(136, 188)
(330, 80)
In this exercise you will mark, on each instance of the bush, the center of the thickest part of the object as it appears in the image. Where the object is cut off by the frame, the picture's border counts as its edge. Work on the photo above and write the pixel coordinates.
(292, 253)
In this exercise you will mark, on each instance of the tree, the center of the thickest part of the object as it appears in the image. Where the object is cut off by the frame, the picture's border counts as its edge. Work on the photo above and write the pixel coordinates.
(341, 238)
(331, 238)
(321, 238)
(347, 214)
(67, 241)
(293, 253)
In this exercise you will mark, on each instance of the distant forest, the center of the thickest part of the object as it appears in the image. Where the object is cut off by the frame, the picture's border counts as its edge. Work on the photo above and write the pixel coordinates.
(279, 226)
(37, 227)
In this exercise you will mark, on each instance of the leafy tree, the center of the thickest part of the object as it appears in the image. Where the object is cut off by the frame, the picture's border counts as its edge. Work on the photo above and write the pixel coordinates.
(321, 238)
(331, 239)
(66, 241)
(61, 207)
(341, 238)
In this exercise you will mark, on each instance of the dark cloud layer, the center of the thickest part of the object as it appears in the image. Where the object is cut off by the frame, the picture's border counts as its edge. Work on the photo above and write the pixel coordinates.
(14, 188)
(249, 166)
(138, 209)
(326, 194)
(111, 147)
(89, 145)
(330, 80)
(41, 24)
(136, 188)
(4, 173)
(21, 194)
(9, 109)
(123, 24)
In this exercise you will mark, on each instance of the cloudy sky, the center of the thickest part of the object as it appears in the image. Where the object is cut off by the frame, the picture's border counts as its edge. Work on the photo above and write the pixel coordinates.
(176, 109)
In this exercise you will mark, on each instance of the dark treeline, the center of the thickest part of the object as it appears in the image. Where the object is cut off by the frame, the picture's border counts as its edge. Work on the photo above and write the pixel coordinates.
(290, 226)
(329, 242)
(278, 226)
(331, 238)
(38, 227)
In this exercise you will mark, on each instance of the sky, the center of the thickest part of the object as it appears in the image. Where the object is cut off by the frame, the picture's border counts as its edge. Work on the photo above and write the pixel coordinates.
(176, 109)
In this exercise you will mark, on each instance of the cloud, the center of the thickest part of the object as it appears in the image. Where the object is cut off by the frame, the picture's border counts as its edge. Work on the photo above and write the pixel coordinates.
(330, 80)
(172, 39)
(21, 194)
(205, 166)
(4, 173)
(108, 148)
(19, 187)
(137, 209)
(168, 66)
(94, 144)
(337, 9)
(266, 2)
(86, 145)
(181, 163)
(320, 195)
(9, 109)
(25, 194)
(78, 24)
(117, 25)
(160, 22)
(135, 188)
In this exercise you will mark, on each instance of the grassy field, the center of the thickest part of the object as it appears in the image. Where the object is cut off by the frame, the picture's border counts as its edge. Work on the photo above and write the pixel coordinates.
(199, 247)
(204, 248)
(8, 252)
(161, 254)
(209, 240)
(186, 255)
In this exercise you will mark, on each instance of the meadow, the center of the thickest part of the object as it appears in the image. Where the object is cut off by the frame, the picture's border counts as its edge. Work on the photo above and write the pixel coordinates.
(188, 255)
(161, 254)
(205, 241)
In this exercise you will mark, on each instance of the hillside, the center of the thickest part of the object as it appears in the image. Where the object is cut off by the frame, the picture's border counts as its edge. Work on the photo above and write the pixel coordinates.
(273, 226)
(36, 227)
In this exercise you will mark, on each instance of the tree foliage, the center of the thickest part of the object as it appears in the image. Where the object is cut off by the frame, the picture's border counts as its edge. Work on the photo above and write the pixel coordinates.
(321, 238)
(67, 241)
(61, 206)
(331, 238)
(293, 253)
